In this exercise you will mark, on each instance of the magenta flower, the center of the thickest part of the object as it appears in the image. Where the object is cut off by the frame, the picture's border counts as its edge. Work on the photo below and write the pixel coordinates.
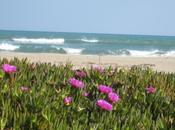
(104, 105)
(113, 97)
(80, 73)
(76, 83)
(24, 89)
(98, 68)
(67, 100)
(150, 89)
(104, 89)
(85, 94)
(8, 68)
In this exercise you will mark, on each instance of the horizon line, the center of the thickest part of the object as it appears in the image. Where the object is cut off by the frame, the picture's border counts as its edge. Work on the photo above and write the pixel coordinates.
(88, 33)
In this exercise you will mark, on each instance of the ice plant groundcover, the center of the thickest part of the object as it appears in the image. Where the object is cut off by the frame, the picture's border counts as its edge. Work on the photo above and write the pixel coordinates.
(43, 96)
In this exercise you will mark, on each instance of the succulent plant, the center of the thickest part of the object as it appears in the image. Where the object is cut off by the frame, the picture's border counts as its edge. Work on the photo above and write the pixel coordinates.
(38, 96)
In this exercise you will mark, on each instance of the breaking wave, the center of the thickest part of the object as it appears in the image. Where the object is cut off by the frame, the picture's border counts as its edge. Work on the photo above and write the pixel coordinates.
(170, 53)
(145, 53)
(8, 47)
(70, 50)
(39, 40)
(89, 40)
(138, 53)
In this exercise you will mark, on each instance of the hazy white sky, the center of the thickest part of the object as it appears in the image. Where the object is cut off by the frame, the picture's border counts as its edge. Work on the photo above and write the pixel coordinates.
(152, 17)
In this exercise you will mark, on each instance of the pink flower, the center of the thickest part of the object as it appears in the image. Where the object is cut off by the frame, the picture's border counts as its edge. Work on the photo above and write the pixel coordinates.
(85, 94)
(150, 89)
(8, 68)
(67, 100)
(98, 68)
(76, 83)
(113, 97)
(24, 89)
(104, 105)
(104, 89)
(80, 73)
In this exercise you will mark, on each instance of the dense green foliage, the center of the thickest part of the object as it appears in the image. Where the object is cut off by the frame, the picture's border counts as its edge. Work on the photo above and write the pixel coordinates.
(42, 107)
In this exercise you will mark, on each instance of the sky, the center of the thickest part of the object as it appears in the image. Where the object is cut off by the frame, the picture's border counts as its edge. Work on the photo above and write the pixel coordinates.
(147, 17)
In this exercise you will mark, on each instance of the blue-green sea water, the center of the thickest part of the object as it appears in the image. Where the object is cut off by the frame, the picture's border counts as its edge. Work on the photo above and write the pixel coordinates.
(86, 43)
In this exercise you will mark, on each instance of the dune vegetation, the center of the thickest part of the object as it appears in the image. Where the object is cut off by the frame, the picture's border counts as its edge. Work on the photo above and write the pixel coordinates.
(41, 96)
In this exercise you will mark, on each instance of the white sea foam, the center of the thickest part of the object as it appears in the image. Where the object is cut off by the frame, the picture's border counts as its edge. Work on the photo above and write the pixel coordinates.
(119, 52)
(170, 53)
(139, 53)
(144, 53)
(89, 40)
(71, 50)
(39, 40)
(152, 53)
(8, 47)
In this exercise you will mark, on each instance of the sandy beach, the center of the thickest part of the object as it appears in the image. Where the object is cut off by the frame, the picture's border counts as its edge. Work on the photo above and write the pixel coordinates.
(165, 64)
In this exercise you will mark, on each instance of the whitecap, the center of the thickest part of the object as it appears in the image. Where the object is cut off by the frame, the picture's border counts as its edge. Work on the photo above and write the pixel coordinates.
(89, 40)
(138, 53)
(8, 47)
(170, 53)
(72, 50)
(40, 40)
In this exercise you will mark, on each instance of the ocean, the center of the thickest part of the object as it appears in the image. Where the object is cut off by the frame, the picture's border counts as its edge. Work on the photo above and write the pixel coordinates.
(86, 43)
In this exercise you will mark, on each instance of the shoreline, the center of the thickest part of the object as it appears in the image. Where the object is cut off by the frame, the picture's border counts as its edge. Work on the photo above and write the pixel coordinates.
(163, 64)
